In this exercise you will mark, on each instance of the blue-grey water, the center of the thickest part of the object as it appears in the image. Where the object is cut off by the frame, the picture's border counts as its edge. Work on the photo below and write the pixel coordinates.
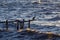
(47, 19)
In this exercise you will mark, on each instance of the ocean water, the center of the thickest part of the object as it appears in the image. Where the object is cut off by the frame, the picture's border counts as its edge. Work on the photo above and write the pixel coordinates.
(47, 19)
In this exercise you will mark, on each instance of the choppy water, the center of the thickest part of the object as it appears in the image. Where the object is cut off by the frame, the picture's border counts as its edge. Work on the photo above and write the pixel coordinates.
(45, 15)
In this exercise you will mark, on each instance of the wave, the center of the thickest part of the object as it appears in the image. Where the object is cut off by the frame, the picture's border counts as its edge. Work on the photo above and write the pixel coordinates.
(55, 18)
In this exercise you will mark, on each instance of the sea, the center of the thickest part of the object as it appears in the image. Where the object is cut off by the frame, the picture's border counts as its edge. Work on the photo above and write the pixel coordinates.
(47, 19)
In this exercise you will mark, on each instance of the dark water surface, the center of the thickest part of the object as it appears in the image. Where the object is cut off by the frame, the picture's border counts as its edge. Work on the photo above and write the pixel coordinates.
(12, 10)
